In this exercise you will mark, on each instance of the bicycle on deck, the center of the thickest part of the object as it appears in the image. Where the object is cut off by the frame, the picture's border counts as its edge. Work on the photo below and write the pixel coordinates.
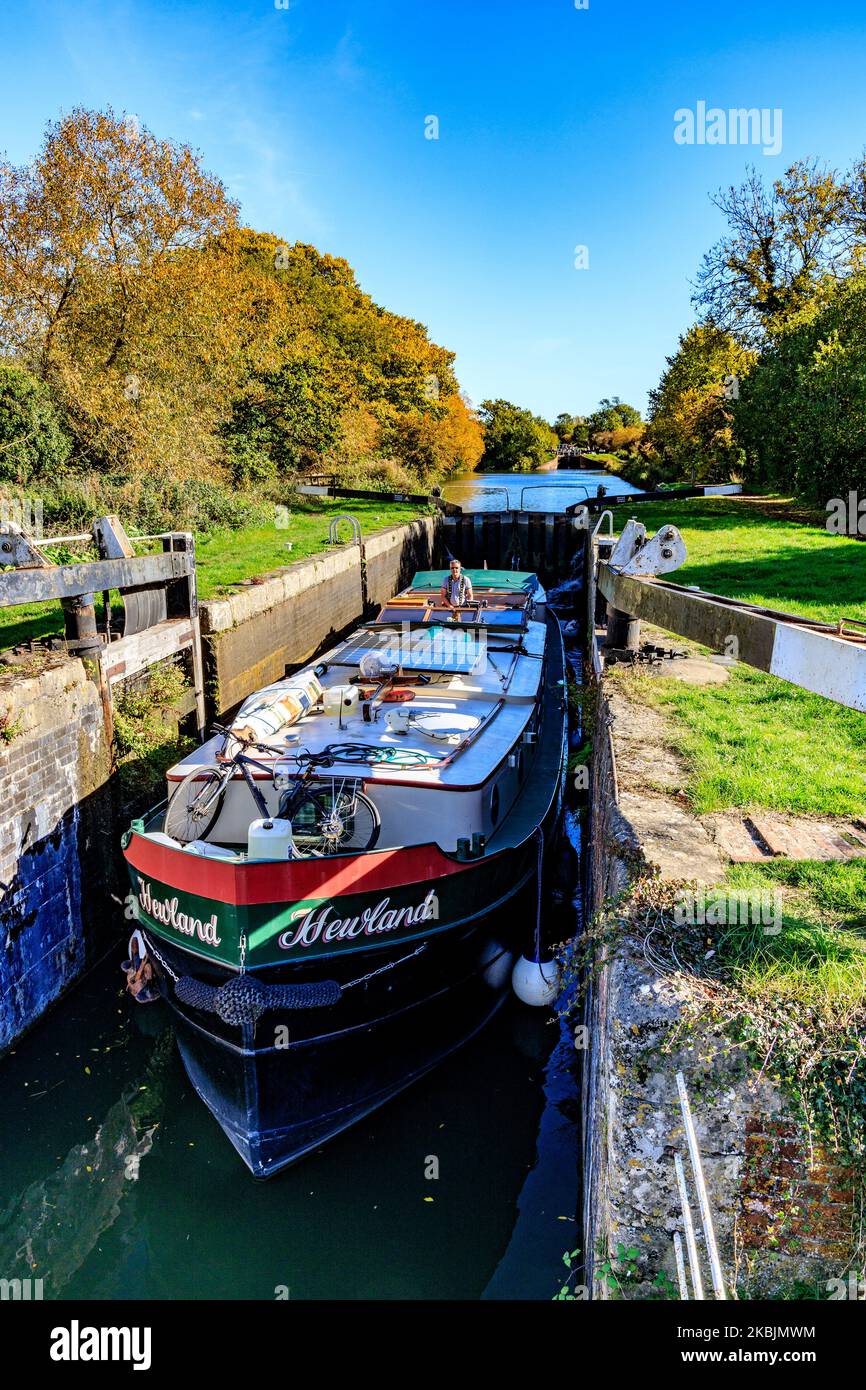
(329, 815)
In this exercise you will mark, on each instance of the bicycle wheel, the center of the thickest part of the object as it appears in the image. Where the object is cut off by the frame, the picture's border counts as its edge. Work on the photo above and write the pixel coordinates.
(196, 804)
(334, 819)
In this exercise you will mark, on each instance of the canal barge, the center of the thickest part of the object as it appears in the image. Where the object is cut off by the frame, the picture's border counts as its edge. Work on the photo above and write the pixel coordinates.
(335, 890)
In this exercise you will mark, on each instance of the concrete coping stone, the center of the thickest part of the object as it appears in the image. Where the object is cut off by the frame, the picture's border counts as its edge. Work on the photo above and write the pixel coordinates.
(220, 615)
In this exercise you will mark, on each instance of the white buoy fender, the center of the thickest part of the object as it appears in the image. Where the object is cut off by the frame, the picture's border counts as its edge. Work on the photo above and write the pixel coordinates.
(535, 982)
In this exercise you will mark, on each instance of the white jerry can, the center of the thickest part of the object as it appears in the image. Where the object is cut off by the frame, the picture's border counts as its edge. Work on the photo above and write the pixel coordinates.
(269, 839)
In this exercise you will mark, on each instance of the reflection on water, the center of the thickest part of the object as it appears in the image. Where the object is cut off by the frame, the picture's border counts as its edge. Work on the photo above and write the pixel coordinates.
(531, 492)
(50, 1228)
(115, 1181)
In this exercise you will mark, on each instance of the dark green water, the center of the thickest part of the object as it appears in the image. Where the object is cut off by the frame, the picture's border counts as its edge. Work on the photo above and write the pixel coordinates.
(115, 1182)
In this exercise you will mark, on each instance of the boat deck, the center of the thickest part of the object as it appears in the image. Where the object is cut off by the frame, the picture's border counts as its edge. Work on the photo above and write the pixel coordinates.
(483, 683)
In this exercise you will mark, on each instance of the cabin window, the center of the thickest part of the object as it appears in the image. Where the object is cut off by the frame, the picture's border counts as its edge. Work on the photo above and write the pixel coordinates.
(494, 805)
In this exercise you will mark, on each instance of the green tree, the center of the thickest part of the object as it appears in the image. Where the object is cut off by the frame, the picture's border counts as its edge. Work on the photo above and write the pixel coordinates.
(571, 429)
(801, 416)
(33, 441)
(691, 410)
(284, 420)
(514, 438)
(612, 414)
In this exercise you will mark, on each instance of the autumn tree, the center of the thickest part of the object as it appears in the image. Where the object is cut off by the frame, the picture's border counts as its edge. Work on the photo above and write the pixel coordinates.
(350, 385)
(175, 341)
(117, 288)
(691, 410)
(782, 244)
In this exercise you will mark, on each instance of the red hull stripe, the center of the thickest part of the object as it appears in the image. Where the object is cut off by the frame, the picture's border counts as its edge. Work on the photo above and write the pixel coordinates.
(293, 881)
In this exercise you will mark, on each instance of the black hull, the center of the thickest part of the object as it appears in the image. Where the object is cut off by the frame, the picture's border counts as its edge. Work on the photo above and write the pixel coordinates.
(299, 1078)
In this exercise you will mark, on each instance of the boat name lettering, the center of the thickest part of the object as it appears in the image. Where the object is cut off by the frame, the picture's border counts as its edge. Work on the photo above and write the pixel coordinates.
(316, 923)
(165, 911)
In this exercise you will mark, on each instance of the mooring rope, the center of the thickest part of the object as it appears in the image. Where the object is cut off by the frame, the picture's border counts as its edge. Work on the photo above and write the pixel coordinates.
(540, 834)
(362, 754)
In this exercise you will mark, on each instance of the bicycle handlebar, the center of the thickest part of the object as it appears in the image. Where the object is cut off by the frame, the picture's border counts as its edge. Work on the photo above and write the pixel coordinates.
(246, 742)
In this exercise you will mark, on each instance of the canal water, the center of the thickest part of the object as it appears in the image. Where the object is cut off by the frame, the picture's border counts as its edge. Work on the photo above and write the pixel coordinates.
(542, 491)
(116, 1182)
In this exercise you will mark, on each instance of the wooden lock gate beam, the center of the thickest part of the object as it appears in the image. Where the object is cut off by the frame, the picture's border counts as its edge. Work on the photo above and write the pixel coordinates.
(812, 655)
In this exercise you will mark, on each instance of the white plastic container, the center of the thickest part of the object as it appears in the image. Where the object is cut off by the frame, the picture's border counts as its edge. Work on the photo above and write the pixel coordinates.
(398, 720)
(342, 700)
(269, 839)
(271, 709)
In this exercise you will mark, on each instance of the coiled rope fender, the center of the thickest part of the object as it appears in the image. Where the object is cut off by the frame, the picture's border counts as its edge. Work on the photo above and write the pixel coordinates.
(244, 999)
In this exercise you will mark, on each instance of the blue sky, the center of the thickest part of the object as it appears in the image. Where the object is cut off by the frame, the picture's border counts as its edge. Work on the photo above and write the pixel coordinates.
(555, 131)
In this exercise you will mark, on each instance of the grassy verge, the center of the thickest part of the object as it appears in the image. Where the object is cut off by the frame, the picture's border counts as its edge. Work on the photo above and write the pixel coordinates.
(227, 556)
(735, 548)
(817, 960)
(758, 741)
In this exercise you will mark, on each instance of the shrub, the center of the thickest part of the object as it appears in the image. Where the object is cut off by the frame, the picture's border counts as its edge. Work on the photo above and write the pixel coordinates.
(33, 442)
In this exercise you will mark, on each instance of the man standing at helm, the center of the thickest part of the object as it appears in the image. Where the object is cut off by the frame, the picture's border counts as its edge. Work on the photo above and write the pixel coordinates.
(456, 591)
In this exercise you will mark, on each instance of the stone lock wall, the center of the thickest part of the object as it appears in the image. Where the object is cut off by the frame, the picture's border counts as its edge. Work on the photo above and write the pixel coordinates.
(783, 1209)
(56, 836)
(280, 621)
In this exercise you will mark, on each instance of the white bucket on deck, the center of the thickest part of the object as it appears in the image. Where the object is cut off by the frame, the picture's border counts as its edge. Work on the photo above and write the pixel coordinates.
(269, 839)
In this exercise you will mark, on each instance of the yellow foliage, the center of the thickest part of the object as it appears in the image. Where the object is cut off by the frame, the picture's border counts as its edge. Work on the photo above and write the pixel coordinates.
(175, 340)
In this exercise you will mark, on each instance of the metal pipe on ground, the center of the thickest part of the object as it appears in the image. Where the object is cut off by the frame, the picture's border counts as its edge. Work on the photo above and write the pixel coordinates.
(681, 1268)
(701, 1189)
(691, 1244)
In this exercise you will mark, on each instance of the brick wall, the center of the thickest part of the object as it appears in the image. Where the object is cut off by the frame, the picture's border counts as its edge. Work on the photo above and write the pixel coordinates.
(794, 1197)
(55, 821)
